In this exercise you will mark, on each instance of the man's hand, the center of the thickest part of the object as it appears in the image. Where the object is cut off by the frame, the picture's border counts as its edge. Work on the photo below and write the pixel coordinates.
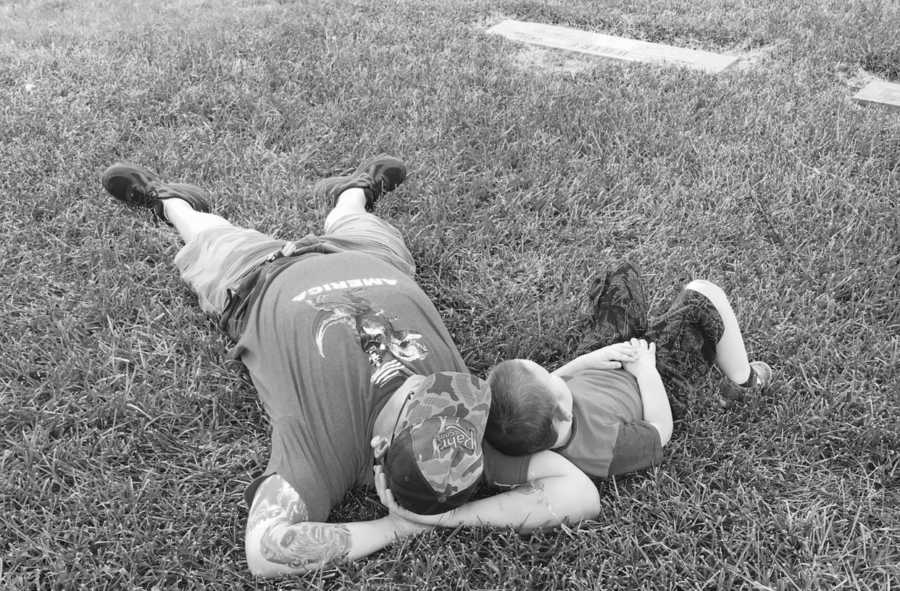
(643, 359)
(405, 518)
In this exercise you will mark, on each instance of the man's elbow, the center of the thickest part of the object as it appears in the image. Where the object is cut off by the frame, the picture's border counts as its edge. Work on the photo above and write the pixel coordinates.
(259, 566)
(590, 506)
(665, 429)
(262, 568)
(583, 497)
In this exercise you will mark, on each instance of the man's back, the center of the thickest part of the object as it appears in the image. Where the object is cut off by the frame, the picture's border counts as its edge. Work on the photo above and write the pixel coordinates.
(326, 344)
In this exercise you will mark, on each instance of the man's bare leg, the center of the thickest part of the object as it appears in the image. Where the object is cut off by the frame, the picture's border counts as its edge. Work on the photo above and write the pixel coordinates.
(350, 202)
(373, 177)
(186, 207)
(188, 221)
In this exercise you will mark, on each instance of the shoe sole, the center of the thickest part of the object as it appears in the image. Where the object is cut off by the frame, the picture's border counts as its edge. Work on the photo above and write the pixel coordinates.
(384, 162)
(731, 394)
(131, 184)
(375, 167)
(120, 177)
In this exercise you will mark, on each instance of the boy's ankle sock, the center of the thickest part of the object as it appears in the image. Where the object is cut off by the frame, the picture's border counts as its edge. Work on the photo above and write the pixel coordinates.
(759, 380)
(751, 380)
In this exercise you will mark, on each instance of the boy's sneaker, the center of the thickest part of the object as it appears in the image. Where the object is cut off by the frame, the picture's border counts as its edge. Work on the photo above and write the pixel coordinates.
(618, 306)
(137, 186)
(374, 176)
(760, 381)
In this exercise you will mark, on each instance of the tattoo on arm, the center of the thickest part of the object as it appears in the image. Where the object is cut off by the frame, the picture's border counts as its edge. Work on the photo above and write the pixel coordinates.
(305, 544)
(286, 504)
(288, 538)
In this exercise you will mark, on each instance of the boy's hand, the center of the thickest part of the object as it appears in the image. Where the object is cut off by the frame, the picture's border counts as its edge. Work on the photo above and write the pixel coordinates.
(613, 356)
(644, 358)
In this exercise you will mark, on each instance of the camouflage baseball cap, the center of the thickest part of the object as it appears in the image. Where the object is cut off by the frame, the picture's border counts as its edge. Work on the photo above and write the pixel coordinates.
(434, 462)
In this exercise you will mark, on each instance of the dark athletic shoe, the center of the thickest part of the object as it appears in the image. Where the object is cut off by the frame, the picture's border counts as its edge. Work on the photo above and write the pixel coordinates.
(374, 176)
(137, 186)
(618, 305)
(760, 382)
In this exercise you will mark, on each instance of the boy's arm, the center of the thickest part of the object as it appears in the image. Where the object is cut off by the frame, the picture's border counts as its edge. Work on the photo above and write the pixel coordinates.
(609, 357)
(280, 541)
(556, 492)
(655, 401)
(657, 411)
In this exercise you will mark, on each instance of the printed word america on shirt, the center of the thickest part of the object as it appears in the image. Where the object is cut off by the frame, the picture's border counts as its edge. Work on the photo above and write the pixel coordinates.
(340, 285)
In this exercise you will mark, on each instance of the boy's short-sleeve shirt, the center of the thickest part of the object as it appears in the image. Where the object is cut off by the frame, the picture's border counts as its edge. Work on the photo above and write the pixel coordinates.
(609, 433)
(326, 345)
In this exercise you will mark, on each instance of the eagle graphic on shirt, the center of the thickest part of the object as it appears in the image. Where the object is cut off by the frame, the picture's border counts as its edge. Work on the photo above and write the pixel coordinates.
(388, 349)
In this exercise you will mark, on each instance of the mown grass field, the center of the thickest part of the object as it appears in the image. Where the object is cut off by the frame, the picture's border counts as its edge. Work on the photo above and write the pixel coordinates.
(126, 439)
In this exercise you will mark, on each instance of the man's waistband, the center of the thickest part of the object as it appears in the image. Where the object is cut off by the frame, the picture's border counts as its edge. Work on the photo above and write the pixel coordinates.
(254, 282)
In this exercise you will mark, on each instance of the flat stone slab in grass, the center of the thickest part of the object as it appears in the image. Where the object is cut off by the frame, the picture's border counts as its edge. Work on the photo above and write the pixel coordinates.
(880, 92)
(607, 46)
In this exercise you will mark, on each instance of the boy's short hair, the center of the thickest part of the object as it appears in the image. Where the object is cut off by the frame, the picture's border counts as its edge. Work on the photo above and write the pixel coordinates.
(522, 410)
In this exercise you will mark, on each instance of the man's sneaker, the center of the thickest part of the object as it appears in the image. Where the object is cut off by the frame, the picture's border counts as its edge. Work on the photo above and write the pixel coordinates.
(760, 381)
(137, 186)
(374, 176)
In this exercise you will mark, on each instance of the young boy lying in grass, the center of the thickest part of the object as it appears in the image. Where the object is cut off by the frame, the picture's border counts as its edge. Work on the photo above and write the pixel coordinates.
(609, 411)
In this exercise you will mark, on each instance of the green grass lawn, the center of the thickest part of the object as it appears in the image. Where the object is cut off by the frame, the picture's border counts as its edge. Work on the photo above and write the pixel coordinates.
(127, 439)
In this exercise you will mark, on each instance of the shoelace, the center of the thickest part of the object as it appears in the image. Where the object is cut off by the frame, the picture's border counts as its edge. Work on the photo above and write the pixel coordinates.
(141, 198)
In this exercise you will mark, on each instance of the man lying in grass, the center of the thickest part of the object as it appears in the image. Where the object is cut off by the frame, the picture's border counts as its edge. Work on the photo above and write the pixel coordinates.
(609, 411)
(354, 367)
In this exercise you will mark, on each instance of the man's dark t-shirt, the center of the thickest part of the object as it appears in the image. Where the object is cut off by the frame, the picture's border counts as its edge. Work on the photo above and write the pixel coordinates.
(326, 344)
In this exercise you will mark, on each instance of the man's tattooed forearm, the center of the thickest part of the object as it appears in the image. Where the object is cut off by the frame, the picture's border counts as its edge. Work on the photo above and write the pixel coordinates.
(305, 545)
(287, 505)
(295, 511)
(263, 513)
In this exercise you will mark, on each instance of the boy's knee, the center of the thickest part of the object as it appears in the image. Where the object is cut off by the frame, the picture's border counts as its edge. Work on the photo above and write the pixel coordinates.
(712, 291)
(704, 286)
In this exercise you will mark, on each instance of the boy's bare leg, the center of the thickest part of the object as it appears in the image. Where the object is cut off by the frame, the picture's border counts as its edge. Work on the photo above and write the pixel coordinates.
(188, 221)
(731, 354)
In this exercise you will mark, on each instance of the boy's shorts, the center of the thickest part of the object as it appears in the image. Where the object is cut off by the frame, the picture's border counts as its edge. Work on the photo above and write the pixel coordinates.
(214, 263)
(686, 337)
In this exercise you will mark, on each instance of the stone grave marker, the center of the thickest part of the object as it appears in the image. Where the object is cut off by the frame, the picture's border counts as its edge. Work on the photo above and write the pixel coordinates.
(608, 46)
